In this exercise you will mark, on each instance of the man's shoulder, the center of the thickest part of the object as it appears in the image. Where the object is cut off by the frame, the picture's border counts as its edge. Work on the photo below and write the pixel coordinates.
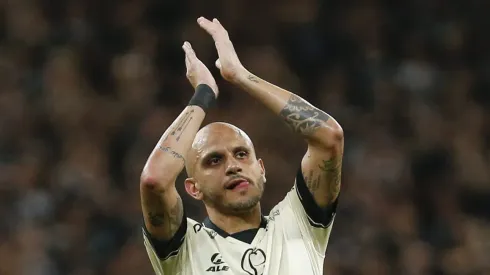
(191, 222)
(198, 229)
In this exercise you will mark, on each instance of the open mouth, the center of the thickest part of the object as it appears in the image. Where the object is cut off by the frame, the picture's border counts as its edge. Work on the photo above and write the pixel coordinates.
(237, 184)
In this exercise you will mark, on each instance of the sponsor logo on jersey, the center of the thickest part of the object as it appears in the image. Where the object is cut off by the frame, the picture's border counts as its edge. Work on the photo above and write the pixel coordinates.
(211, 233)
(197, 227)
(218, 264)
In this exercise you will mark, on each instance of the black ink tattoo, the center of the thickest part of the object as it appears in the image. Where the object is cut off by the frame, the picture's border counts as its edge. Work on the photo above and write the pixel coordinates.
(181, 129)
(313, 182)
(302, 117)
(156, 215)
(253, 79)
(170, 219)
(332, 169)
(156, 219)
(176, 214)
(173, 153)
(181, 125)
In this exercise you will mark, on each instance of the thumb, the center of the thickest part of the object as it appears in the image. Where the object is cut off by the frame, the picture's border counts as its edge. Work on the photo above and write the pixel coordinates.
(218, 64)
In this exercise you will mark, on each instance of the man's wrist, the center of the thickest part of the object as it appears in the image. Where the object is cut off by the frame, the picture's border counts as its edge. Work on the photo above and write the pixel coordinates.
(243, 77)
(203, 97)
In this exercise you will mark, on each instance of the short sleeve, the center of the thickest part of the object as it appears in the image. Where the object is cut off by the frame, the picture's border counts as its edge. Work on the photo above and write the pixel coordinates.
(315, 223)
(165, 256)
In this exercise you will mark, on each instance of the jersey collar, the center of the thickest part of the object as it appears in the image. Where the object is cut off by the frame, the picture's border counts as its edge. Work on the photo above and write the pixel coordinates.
(246, 235)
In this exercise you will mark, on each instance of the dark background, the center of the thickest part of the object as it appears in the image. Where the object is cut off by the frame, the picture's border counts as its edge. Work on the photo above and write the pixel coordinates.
(88, 86)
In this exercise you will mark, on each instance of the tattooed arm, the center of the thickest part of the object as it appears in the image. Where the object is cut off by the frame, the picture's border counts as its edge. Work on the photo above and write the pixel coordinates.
(162, 205)
(322, 162)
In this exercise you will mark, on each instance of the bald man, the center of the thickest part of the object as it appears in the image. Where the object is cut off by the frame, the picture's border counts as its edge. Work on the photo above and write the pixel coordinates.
(226, 175)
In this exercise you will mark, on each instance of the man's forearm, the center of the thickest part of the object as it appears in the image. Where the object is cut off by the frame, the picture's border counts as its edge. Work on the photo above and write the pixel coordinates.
(302, 117)
(168, 157)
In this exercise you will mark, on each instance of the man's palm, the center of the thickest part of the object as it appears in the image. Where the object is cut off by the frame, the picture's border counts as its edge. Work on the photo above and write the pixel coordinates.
(197, 73)
(228, 62)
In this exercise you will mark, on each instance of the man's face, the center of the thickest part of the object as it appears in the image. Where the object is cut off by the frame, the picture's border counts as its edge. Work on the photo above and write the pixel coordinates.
(226, 170)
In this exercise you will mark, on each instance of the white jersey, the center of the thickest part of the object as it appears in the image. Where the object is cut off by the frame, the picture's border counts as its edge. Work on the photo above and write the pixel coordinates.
(292, 239)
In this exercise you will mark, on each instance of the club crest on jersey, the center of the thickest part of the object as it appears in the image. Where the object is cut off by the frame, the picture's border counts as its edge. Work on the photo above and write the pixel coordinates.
(253, 261)
(273, 215)
(218, 264)
(211, 233)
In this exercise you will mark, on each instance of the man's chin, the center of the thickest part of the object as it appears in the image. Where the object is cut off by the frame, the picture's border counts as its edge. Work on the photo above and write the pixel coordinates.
(243, 205)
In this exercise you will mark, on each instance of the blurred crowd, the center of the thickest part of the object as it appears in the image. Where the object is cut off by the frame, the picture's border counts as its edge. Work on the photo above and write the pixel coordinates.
(87, 87)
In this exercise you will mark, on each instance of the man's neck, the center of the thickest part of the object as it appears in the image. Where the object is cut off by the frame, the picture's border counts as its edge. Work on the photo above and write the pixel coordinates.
(236, 223)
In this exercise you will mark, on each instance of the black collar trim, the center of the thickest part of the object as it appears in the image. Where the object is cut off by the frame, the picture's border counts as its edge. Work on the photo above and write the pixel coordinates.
(244, 236)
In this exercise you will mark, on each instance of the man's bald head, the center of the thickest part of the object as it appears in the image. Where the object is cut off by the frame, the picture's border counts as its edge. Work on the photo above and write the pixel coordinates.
(214, 135)
(221, 154)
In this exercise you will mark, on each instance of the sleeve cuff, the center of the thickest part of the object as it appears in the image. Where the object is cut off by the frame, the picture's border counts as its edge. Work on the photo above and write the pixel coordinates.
(317, 216)
(168, 248)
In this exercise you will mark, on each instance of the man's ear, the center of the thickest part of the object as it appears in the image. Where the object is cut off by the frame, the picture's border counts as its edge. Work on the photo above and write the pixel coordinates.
(262, 168)
(192, 189)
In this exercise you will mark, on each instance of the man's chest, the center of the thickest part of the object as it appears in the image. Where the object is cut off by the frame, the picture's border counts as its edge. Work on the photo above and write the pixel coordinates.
(270, 252)
(228, 255)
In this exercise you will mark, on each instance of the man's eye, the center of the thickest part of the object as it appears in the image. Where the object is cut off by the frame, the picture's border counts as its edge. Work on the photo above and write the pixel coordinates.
(214, 161)
(241, 154)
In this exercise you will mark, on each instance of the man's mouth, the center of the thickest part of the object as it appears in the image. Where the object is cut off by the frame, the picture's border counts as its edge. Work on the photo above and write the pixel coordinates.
(237, 184)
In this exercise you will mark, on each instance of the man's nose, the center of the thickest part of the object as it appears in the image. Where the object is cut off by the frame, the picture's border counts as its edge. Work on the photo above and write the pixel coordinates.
(233, 168)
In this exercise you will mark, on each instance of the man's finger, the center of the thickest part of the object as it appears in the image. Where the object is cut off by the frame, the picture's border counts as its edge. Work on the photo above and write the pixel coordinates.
(215, 20)
(207, 25)
(218, 27)
(187, 62)
(188, 50)
(189, 55)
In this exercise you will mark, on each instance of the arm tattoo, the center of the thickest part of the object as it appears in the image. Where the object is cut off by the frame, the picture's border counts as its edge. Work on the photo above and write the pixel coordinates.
(176, 132)
(253, 78)
(313, 181)
(332, 169)
(175, 215)
(172, 152)
(302, 117)
(171, 219)
(181, 125)
(156, 219)
(156, 215)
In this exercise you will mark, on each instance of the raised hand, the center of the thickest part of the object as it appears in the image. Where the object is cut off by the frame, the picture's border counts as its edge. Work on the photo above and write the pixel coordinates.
(228, 62)
(197, 72)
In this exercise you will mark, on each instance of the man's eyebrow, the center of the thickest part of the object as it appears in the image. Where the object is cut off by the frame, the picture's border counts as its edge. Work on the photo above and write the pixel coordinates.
(241, 148)
(209, 155)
